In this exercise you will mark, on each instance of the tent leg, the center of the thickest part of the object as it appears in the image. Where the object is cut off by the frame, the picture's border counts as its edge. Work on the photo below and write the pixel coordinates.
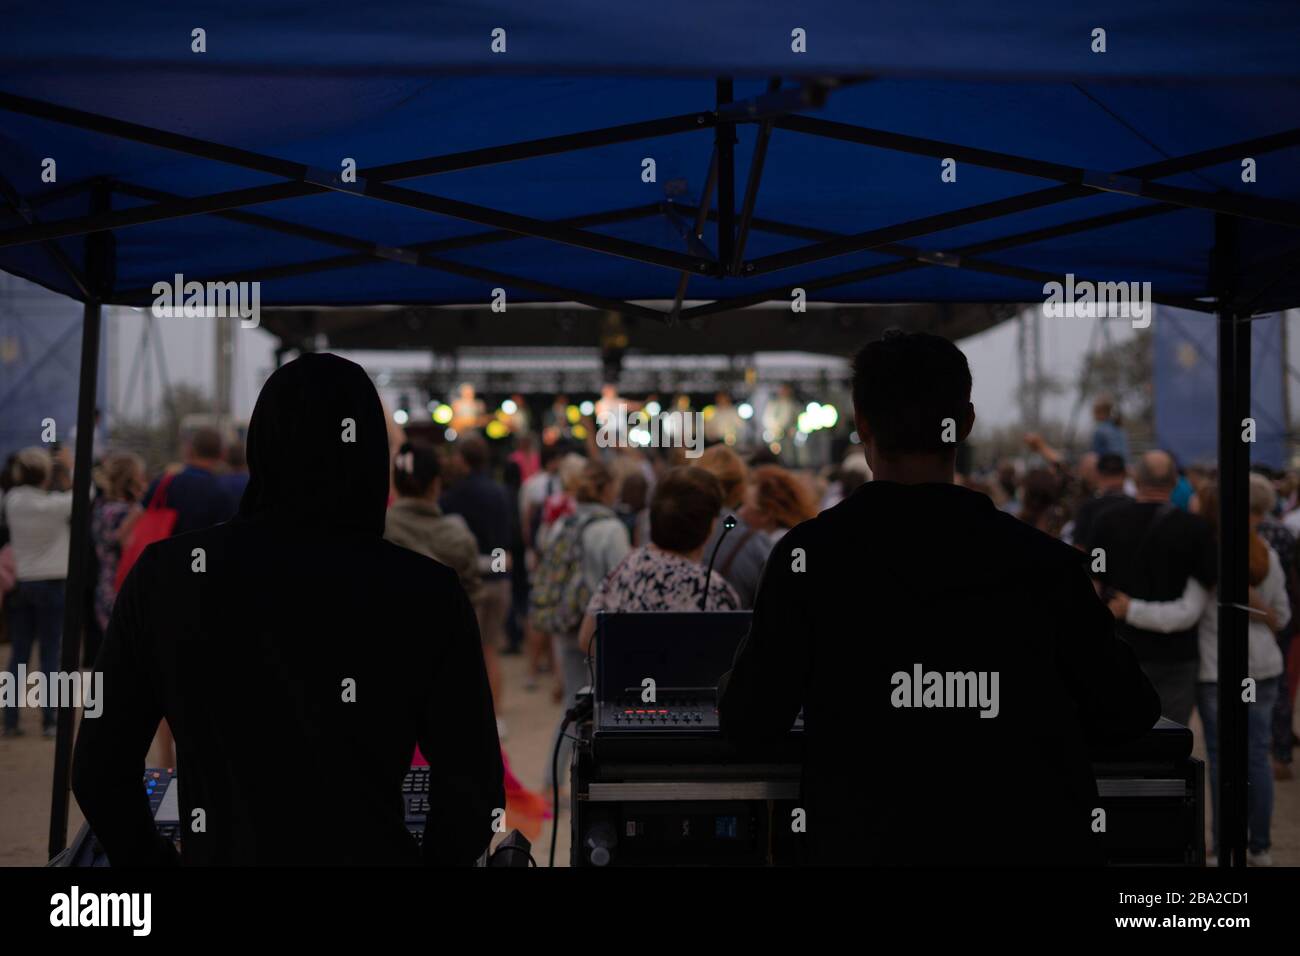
(725, 145)
(79, 547)
(1234, 486)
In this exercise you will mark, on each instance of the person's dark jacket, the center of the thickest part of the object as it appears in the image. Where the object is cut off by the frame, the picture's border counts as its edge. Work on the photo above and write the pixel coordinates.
(895, 576)
(1089, 511)
(486, 508)
(301, 606)
(1151, 550)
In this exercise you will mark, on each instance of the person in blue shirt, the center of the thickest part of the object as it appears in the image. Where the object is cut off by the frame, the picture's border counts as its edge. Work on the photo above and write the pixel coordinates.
(196, 491)
(1108, 436)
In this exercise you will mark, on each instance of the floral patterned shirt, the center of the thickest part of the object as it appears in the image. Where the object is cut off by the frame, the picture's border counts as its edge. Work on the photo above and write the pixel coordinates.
(649, 579)
(106, 518)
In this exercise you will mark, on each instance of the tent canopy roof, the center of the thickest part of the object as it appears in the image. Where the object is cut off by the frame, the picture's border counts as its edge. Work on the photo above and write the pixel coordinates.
(850, 150)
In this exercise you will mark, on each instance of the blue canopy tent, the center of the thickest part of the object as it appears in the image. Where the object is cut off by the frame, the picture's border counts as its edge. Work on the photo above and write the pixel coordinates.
(502, 146)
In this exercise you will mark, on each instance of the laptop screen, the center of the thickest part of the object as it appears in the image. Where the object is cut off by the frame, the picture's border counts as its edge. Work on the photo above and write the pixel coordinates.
(677, 649)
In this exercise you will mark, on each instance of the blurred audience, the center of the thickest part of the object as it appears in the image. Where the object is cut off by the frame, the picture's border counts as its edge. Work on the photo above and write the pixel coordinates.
(415, 520)
(484, 505)
(1151, 551)
(743, 551)
(196, 492)
(37, 520)
(778, 500)
(1196, 607)
(121, 481)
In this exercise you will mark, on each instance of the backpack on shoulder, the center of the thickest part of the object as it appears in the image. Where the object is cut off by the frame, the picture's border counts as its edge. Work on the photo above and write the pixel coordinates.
(560, 589)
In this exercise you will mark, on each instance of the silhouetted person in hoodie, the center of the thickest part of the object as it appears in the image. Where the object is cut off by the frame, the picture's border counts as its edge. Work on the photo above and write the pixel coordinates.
(954, 665)
(296, 657)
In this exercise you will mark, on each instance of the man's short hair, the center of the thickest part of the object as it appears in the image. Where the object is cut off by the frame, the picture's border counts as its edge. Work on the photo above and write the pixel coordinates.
(206, 443)
(905, 385)
(1111, 465)
(474, 451)
(685, 503)
(550, 453)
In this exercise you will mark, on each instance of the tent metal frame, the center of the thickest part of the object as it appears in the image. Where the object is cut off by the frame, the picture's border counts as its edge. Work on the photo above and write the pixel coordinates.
(778, 108)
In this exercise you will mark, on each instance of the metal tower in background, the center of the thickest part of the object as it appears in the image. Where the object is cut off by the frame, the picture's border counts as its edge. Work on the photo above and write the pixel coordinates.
(1029, 349)
(150, 346)
(223, 379)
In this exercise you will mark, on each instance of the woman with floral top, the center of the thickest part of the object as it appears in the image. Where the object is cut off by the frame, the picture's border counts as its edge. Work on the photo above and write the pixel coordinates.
(668, 574)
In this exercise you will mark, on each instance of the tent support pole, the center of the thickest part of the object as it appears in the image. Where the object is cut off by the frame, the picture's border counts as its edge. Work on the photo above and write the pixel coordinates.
(1234, 470)
(733, 265)
(701, 217)
(725, 139)
(57, 255)
(98, 264)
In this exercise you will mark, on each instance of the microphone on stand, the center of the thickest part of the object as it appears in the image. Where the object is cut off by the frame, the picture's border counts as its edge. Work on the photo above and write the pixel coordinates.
(728, 523)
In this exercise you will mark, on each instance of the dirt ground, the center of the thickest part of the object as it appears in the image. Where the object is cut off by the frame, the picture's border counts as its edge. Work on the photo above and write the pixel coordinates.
(27, 767)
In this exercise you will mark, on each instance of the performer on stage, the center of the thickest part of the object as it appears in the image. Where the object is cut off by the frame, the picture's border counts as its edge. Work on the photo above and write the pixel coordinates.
(298, 657)
(467, 410)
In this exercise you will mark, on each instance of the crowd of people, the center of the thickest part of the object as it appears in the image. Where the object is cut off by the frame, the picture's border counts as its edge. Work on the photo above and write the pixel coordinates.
(574, 529)
(200, 490)
(547, 531)
(1150, 524)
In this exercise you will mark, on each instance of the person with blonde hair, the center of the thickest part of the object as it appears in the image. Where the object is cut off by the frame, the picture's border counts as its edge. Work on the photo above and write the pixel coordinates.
(561, 502)
(121, 481)
(38, 521)
(581, 550)
(742, 554)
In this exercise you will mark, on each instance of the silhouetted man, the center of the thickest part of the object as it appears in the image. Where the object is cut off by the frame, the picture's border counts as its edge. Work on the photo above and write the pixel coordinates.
(1111, 475)
(295, 651)
(954, 665)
